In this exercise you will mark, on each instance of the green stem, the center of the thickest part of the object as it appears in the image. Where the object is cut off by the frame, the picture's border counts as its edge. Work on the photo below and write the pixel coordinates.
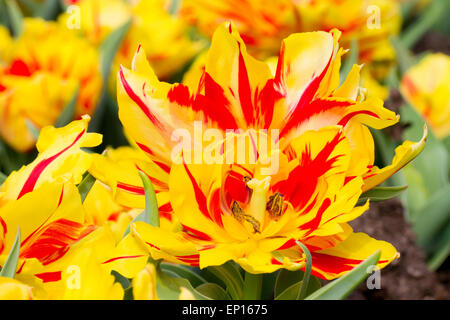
(252, 286)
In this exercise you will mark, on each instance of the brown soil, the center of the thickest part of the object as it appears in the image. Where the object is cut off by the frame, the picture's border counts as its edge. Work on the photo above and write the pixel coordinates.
(433, 42)
(408, 277)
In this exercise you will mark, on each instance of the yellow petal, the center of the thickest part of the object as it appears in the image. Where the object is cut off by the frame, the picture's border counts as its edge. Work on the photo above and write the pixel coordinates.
(403, 155)
(11, 289)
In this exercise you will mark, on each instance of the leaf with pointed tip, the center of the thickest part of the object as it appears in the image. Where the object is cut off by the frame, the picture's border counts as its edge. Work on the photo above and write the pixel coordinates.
(342, 287)
(381, 194)
(231, 278)
(15, 17)
(3, 178)
(307, 276)
(213, 291)
(151, 213)
(85, 186)
(293, 291)
(109, 47)
(169, 288)
(10, 266)
(184, 272)
(285, 279)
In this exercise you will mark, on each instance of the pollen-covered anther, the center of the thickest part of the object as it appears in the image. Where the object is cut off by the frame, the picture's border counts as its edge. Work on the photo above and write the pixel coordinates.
(275, 205)
(240, 216)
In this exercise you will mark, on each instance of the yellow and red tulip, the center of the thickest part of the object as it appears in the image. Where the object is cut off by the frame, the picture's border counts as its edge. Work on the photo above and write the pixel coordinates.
(371, 23)
(262, 23)
(164, 36)
(325, 149)
(426, 87)
(40, 76)
(63, 254)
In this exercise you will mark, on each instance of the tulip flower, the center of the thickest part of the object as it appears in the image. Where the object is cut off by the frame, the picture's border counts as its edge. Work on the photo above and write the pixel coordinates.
(60, 159)
(40, 76)
(62, 255)
(426, 87)
(369, 22)
(261, 23)
(82, 274)
(239, 212)
(264, 24)
(164, 36)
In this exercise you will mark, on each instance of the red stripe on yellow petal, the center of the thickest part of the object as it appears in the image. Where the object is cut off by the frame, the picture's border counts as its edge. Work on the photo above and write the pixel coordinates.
(199, 195)
(308, 95)
(40, 167)
(141, 104)
(52, 242)
(197, 234)
(130, 188)
(121, 258)
(343, 122)
(245, 93)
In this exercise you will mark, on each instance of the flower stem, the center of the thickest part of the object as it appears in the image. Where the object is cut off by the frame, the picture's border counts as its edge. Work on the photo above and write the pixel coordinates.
(252, 286)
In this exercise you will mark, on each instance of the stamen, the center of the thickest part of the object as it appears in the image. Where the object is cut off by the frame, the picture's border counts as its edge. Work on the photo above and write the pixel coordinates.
(275, 205)
(240, 216)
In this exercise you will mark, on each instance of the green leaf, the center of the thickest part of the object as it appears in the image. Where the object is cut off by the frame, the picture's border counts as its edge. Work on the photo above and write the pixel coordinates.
(108, 50)
(213, 291)
(3, 14)
(169, 288)
(68, 112)
(426, 21)
(407, 8)
(33, 129)
(441, 250)
(231, 278)
(109, 47)
(381, 194)
(433, 161)
(151, 213)
(15, 17)
(124, 282)
(305, 282)
(31, 6)
(184, 272)
(49, 10)
(85, 186)
(10, 266)
(293, 291)
(252, 286)
(3, 178)
(351, 60)
(151, 205)
(428, 173)
(286, 279)
(342, 287)
(404, 57)
(428, 222)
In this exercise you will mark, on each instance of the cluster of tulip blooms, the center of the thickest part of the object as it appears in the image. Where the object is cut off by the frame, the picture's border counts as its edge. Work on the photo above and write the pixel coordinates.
(141, 220)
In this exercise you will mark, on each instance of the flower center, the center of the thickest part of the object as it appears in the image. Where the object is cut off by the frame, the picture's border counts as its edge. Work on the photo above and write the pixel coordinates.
(255, 211)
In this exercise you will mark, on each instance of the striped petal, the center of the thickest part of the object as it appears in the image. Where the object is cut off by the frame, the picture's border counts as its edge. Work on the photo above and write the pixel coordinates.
(60, 159)
(403, 155)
